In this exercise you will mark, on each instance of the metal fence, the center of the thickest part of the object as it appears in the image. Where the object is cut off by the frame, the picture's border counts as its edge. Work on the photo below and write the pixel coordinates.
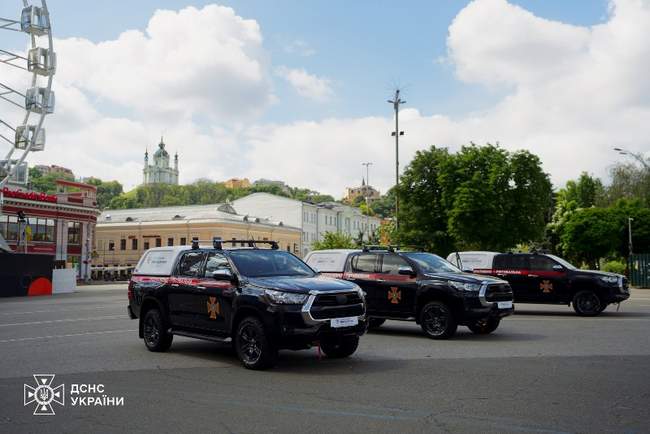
(639, 266)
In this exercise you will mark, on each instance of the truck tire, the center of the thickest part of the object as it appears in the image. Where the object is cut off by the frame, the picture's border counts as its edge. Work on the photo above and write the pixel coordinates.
(484, 327)
(587, 303)
(156, 337)
(437, 320)
(375, 323)
(339, 348)
(253, 346)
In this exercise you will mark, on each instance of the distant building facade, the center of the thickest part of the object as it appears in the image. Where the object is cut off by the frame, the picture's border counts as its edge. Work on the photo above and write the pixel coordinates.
(123, 235)
(237, 183)
(46, 170)
(364, 191)
(314, 220)
(160, 171)
(271, 183)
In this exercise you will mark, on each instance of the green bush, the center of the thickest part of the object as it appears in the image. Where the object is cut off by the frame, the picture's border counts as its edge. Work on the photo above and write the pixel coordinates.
(614, 266)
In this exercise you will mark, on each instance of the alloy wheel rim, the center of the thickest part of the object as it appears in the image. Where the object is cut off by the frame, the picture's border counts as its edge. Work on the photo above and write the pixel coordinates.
(151, 333)
(436, 319)
(588, 303)
(249, 344)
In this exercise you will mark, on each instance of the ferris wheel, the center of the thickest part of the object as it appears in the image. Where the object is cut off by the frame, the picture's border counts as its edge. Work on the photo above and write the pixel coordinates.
(26, 95)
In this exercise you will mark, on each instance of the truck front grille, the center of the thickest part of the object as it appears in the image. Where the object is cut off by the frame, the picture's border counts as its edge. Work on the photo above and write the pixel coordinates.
(338, 305)
(498, 292)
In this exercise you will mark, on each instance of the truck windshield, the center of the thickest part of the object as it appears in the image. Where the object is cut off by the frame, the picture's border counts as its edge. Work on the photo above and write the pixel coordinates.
(267, 263)
(430, 263)
(562, 262)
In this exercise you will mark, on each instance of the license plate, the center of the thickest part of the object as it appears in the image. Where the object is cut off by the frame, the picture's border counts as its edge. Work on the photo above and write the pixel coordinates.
(504, 304)
(344, 322)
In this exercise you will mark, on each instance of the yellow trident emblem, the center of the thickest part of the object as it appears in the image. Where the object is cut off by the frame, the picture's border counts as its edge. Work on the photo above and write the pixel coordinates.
(213, 307)
(546, 286)
(394, 295)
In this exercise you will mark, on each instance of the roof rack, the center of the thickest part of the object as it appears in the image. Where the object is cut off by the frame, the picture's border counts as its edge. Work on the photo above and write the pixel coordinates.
(217, 243)
(371, 247)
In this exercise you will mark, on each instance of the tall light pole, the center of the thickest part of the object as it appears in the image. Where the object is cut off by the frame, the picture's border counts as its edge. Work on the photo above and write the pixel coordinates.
(396, 101)
(636, 155)
(367, 164)
(629, 234)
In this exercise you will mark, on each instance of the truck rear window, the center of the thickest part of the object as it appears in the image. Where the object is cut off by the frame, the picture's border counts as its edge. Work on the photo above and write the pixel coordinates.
(156, 263)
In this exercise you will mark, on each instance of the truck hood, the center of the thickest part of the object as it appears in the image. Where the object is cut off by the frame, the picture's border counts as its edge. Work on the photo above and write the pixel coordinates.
(464, 277)
(303, 284)
(595, 273)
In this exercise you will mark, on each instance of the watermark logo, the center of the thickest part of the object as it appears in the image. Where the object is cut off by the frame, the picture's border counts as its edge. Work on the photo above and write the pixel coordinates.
(44, 394)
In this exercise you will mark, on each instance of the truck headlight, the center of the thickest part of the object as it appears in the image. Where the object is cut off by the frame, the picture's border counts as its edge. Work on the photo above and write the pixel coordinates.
(281, 297)
(609, 279)
(463, 286)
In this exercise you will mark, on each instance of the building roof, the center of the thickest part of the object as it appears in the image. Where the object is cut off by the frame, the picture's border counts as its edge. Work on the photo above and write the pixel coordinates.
(223, 212)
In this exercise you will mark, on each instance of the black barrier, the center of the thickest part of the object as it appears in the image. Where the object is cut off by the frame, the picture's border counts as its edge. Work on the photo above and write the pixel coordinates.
(24, 274)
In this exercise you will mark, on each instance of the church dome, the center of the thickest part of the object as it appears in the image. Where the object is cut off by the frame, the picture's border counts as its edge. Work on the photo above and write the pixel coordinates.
(161, 152)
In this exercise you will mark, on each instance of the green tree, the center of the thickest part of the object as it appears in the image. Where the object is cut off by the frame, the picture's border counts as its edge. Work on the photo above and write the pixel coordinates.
(46, 183)
(590, 234)
(483, 197)
(586, 191)
(106, 191)
(384, 206)
(630, 181)
(334, 240)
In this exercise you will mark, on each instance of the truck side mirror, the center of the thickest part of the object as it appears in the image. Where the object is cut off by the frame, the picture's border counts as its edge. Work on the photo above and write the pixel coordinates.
(406, 271)
(558, 267)
(223, 274)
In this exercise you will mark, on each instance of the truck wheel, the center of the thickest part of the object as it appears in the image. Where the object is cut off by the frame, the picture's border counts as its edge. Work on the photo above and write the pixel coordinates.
(155, 334)
(437, 320)
(338, 348)
(484, 327)
(587, 303)
(253, 346)
(375, 323)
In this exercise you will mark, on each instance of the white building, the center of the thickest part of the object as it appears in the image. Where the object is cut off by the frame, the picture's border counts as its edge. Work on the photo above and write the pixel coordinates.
(314, 220)
(160, 172)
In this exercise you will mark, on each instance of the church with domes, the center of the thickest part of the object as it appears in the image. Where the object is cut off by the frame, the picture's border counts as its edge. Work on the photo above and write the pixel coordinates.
(160, 172)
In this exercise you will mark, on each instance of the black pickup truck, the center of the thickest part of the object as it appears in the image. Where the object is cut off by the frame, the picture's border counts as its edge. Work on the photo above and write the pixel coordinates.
(261, 300)
(419, 286)
(548, 279)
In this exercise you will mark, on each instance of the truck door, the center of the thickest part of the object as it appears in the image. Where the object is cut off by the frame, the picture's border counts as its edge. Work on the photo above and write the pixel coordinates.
(514, 268)
(548, 285)
(399, 290)
(181, 296)
(362, 269)
(214, 298)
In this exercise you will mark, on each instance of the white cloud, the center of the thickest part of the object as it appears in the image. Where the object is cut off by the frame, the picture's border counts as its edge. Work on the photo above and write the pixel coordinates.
(202, 76)
(300, 48)
(306, 84)
(572, 93)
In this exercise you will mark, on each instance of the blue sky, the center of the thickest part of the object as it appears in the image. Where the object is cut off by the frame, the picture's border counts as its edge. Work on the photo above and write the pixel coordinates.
(365, 47)
(302, 97)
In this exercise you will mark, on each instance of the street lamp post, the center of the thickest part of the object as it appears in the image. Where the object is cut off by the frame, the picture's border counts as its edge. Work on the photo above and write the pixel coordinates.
(636, 155)
(396, 101)
(629, 234)
(367, 164)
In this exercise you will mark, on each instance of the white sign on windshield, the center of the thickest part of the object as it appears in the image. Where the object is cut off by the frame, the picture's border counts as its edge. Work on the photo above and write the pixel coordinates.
(156, 262)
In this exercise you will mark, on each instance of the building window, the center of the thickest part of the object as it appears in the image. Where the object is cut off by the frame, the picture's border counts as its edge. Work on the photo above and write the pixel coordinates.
(12, 228)
(146, 245)
(123, 244)
(288, 247)
(170, 241)
(42, 230)
(74, 233)
(183, 241)
(111, 245)
(158, 242)
(295, 248)
(134, 244)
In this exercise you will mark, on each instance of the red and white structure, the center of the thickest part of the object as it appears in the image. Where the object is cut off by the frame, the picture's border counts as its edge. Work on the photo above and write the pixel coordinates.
(61, 225)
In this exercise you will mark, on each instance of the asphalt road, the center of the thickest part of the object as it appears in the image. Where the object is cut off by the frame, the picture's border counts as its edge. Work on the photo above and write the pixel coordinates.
(545, 370)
